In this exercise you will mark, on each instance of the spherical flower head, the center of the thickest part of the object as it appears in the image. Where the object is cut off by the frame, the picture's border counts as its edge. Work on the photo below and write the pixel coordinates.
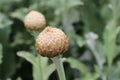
(34, 20)
(51, 42)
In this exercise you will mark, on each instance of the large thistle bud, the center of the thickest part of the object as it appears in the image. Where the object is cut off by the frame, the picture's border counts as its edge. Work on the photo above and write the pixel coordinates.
(34, 20)
(51, 42)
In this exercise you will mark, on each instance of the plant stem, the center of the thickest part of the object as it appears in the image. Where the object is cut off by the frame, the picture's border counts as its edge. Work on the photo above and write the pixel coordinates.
(59, 66)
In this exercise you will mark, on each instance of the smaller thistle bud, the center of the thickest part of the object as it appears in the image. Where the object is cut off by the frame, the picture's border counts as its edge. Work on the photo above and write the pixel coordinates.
(34, 20)
(51, 42)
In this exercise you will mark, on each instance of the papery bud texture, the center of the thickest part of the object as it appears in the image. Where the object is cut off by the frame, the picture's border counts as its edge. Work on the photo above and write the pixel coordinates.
(34, 20)
(51, 42)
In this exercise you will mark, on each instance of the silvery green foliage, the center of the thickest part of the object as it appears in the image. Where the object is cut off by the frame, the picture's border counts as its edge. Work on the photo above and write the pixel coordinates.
(94, 36)
(4, 21)
(37, 63)
(85, 73)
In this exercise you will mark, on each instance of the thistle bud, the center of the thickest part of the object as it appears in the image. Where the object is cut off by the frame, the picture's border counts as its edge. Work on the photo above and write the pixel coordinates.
(51, 42)
(34, 20)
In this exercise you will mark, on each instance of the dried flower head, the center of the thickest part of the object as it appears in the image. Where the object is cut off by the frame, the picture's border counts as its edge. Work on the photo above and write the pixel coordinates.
(34, 20)
(51, 42)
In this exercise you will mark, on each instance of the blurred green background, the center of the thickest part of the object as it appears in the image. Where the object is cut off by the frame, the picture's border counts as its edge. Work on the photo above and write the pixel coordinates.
(93, 29)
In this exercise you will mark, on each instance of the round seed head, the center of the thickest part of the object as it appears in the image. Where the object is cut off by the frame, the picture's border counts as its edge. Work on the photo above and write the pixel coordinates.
(51, 42)
(34, 20)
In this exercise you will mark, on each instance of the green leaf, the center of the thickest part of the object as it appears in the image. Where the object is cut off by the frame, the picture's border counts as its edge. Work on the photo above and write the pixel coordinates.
(89, 76)
(74, 3)
(1, 54)
(4, 21)
(96, 48)
(40, 65)
(110, 41)
(44, 62)
(115, 72)
(77, 65)
(115, 6)
(19, 39)
(42, 68)
(48, 71)
(68, 19)
(8, 66)
(37, 72)
(91, 17)
(28, 56)
(4, 29)
(64, 3)
(19, 78)
(117, 30)
(106, 13)
(19, 13)
(34, 61)
(79, 39)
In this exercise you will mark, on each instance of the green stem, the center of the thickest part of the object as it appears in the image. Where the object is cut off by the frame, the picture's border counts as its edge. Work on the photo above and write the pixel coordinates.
(59, 66)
